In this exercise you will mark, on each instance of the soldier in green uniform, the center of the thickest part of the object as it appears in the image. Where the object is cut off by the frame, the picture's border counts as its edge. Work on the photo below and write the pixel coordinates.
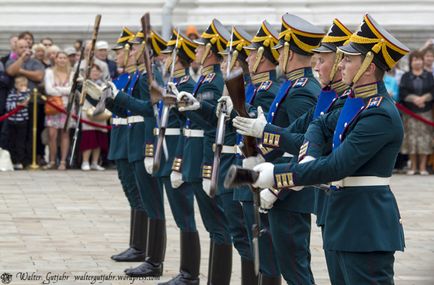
(141, 122)
(262, 60)
(193, 160)
(291, 139)
(118, 152)
(297, 96)
(362, 226)
(181, 201)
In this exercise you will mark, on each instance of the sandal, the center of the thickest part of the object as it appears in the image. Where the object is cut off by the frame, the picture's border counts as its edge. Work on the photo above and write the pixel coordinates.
(50, 165)
(62, 165)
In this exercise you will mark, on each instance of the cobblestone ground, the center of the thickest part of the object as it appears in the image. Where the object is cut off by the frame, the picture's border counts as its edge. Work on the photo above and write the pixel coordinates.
(69, 223)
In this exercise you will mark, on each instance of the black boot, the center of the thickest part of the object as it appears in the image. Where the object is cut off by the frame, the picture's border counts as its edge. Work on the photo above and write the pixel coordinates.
(248, 276)
(138, 236)
(190, 261)
(153, 265)
(270, 280)
(220, 264)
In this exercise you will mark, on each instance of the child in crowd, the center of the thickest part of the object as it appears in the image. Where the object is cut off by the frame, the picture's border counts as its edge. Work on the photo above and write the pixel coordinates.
(19, 96)
(94, 140)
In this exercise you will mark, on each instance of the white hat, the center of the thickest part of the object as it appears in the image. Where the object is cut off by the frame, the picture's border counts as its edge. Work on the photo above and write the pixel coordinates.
(70, 51)
(101, 45)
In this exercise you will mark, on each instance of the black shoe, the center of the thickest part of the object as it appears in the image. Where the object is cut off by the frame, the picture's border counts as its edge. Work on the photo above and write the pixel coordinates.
(190, 260)
(146, 269)
(156, 249)
(130, 255)
(181, 280)
(248, 276)
(138, 237)
(220, 264)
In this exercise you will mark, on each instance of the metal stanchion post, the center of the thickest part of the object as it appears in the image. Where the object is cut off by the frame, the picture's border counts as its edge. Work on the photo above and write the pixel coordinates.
(34, 165)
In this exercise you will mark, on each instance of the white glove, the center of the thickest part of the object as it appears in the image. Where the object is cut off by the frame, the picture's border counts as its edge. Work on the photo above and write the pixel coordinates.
(113, 88)
(251, 127)
(229, 105)
(267, 199)
(307, 159)
(172, 88)
(93, 90)
(149, 164)
(304, 160)
(192, 105)
(266, 175)
(176, 179)
(251, 162)
(206, 186)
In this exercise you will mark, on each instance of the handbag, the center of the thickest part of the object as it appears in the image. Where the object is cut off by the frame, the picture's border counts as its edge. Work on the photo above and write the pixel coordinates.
(55, 100)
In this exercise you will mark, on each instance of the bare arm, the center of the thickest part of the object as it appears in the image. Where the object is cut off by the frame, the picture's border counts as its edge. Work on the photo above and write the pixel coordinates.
(14, 68)
(34, 75)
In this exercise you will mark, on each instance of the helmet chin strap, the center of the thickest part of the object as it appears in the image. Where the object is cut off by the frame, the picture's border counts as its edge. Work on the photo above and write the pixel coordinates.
(168, 63)
(126, 54)
(233, 59)
(365, 64)
(206, 53)
(259, 55)
(285, 56)
(335, 67)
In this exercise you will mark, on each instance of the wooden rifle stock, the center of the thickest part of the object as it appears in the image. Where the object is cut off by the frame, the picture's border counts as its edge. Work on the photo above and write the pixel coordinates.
(235, 86)
(146, 28)
(90, 57)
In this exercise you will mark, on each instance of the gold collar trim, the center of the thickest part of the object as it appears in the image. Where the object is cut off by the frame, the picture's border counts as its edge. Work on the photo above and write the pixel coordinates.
(339, 86)
(260, 77)
(207, 70)
(365, 91)
(295, 74)
(142, 67)
(130, 69)
(179, 73)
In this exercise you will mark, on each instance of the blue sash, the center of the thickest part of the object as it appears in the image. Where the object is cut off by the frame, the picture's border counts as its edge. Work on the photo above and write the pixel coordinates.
(196, 87)
(250, 93)
(130, 89)
(325, 100)
(121, 82)
(350, 111)
(283, 91)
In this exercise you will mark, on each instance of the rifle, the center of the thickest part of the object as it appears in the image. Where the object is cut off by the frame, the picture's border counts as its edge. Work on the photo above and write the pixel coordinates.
(72, 95)
(168, 102)
(89, 62)
(155, 94)
(235, 86)
(220, 131)
(219, 142)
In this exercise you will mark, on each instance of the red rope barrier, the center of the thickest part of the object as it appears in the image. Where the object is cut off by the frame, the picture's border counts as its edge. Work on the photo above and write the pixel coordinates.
(405, 110)
(10, 113)
(93, 124)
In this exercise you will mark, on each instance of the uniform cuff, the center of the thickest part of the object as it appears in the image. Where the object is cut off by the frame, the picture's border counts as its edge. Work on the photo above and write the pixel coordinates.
(271, 136)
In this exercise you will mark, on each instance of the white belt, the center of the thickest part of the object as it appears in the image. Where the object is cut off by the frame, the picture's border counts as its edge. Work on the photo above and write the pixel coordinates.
(135, 119)
(169, 132)
(193, 133)
(227, 148)
(286, 154)
(119, 121)
(355, 181)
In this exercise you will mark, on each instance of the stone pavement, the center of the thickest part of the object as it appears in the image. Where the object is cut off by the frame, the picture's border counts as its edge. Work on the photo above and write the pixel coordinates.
(69, 223)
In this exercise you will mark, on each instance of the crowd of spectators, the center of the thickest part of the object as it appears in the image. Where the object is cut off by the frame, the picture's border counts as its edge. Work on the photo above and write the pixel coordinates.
(49, 68)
